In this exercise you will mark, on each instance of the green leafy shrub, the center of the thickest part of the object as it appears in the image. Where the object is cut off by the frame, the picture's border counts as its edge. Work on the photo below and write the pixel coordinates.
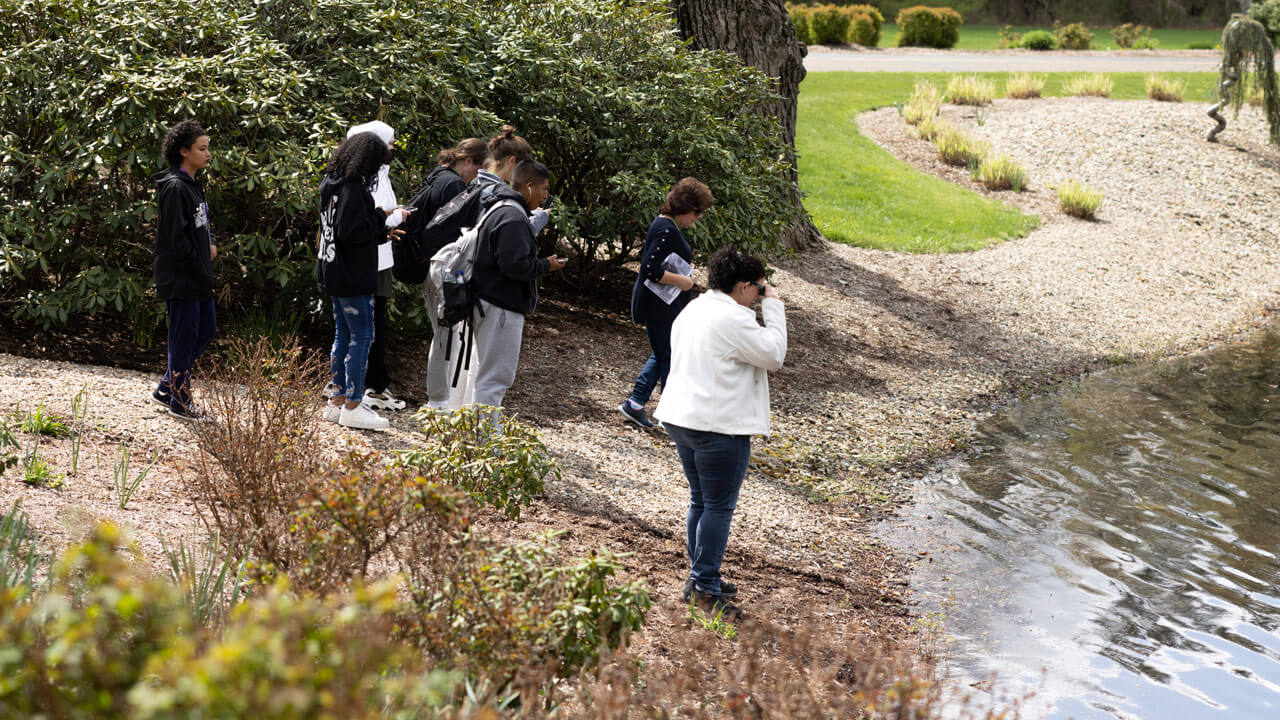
(1146, 42)
(1000, 172)
(924, 103)
(264, 78)
(1164, 89)
(1132, 36)
(862, 31)
(1039, 40)
(1024, 85)
(970, 90)
(1008, 38)
(801, 18)
(1093, 84)
(1079, 200)
(830, 24)
(502, 468)
(921, 26)
(1073, 36)
(1267, 13)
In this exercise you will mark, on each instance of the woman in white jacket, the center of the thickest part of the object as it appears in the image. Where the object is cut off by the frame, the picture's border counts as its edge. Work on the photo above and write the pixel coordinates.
(716, 398)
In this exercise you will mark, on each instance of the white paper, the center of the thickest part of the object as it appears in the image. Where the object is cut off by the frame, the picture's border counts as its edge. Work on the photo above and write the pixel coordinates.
(385, 258)
(673, 264)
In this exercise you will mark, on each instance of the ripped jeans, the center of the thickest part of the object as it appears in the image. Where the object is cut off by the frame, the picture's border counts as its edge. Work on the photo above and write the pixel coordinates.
(352, 336)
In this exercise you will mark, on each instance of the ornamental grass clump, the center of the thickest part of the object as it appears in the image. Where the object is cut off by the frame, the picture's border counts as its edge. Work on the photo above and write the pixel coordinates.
(957, 148)
(1000, 172)
(1024, 86)
(1164, 89)
(970, 90)
(925, 102)
(1092, 85)
(1079, 200)
(930, 127)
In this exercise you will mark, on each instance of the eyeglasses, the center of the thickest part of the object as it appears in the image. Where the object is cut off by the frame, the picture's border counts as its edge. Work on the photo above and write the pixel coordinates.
(759, 287)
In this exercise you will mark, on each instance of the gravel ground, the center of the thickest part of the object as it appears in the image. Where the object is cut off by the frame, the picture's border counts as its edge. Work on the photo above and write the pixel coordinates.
(892, 359)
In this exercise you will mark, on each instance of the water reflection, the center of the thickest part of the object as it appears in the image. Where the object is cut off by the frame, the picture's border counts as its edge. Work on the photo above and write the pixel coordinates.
(1115, 546)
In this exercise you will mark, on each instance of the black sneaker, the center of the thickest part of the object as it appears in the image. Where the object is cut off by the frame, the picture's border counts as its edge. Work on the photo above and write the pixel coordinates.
(727, 589)
(161, 398)
(636, 416)
(717, 606)
(186, 412)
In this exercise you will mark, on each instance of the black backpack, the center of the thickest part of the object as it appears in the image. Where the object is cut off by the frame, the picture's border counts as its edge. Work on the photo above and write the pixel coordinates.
(412, 252)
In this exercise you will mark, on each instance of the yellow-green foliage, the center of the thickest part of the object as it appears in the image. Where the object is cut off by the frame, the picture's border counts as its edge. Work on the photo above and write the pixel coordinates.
(801, 17)
(970, 90)
(958, 148)
(922, 26)
(1000, 172)
(1024, 85)
(1165, 89)
(930, 127)
(1079, 200)
(1095, 85)
(835, 24)
(925, 101)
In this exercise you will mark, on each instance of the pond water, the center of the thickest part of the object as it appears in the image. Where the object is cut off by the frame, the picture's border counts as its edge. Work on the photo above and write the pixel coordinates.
(1114, 549)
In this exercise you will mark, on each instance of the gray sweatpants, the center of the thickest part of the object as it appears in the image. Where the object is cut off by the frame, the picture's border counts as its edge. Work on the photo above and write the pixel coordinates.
(497, 352)
(437, 367)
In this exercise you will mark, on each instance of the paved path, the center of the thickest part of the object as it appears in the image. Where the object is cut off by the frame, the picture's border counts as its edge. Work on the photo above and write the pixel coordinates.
(891, 61)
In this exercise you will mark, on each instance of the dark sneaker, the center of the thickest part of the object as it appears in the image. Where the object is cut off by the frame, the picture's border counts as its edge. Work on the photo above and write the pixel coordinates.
(636, 416)
(186, 412)
(161, 398)
(727, 589)
(717, 606)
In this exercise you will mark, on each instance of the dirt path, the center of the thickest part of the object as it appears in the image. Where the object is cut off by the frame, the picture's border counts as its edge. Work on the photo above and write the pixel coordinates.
(918, 60)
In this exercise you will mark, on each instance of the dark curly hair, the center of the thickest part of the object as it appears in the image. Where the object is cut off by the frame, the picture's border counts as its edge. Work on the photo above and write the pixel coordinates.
(728, 267)
(179, 138)
(689, 195)
(359, 156)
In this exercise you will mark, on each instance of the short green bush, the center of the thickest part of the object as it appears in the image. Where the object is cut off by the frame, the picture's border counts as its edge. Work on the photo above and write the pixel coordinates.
(970, 90)
(1073, 36)
(955, 147)
(921, 26)
(1094, 84)
(1164, 89)
(1079, 200)
(862, 31)
(1039, 40)
(1146, 42)
(1131, 35)
(1024, 86)
(925, 102)
(830, 24)
(1267, 13)
(1000, 172)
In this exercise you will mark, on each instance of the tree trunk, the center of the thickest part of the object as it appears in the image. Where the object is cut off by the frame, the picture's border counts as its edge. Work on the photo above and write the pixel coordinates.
(761, 34)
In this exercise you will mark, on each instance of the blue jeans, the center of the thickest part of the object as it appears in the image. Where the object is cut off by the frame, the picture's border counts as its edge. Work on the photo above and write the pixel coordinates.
(192, 325)
(659, 362)
(715, 465)
(352, 336)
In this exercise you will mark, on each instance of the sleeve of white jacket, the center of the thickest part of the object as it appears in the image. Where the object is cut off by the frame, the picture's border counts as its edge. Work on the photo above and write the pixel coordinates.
(395, 218)
(764, 347)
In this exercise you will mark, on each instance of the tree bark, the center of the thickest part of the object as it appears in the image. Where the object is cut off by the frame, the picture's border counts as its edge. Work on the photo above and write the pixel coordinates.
(761, 34)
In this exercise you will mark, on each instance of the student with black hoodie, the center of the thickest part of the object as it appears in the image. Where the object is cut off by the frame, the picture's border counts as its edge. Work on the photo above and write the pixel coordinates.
(351, 228)
(184, 263)
(506, 279)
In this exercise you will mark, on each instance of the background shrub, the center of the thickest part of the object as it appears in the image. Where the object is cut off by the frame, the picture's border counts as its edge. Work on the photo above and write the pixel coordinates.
(922, 26)
(1133, 36)
(1267, 13)
(1073, 36)
(1009, 38)
(862, 31)
(800, 17)
(267, 79)
(1039, 40)
(830, 24)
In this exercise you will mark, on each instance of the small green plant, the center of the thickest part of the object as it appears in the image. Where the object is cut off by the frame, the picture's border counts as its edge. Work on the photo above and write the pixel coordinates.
(1092, 85)
(1164, 89)
(43, 422)
(1024, 86)
(1009, 38)
(713, 622)
(37, 472)
(1039, 40)
(930, 127)
(1072, 36)
(1133, 36)
(502, 467)
(123, 485)
(925, 102)
(1079, 200)
(957, 148)
(212, 581)
(1000, 172)
(79, 411)
(1146, 42)
(970, 90)
(18, 557)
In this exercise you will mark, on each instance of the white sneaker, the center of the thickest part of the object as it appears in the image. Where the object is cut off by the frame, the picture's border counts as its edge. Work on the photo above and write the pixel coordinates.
(385, 401)
(438, 404)
(332, 412)
(329, 391)
(362, 418)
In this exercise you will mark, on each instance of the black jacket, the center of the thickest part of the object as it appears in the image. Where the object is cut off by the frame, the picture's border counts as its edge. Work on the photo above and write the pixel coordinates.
(507, 263)
(448, 186)
(351, 227)
(183, 268)
(664, 237)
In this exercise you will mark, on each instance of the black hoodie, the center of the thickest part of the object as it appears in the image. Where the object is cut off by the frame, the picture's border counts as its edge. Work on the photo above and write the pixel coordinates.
(351, 227)
(507, 262)
(183, 266)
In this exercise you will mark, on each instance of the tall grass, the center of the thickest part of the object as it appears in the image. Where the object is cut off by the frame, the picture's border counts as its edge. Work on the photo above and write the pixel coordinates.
(970, 90)
(924, 103)
(1000, 172)
(1092, 85)
(1165, 89)
(1079, 200)
(956, 147)
(1024, 86)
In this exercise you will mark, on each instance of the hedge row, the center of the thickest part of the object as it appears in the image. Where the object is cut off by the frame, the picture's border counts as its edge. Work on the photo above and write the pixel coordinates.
(836, 24)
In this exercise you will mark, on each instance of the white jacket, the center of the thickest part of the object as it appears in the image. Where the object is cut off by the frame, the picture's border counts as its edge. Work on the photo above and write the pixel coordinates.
(720, 358)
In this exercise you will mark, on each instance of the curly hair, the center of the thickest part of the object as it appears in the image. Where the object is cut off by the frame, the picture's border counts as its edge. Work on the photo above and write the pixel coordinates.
(728, 267)
(689, 195)
(359, 156)
(179, 138)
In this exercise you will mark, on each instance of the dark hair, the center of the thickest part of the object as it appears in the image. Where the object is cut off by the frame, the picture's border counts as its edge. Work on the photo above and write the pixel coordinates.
(179, 138)
(689, 195)
(473, 148)
(728, 267)
(359, 156)
(507, 144)
(529, 171)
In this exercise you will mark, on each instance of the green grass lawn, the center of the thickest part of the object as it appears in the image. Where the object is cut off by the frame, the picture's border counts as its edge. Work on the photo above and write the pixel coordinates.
(860, 194)
(985, 37)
